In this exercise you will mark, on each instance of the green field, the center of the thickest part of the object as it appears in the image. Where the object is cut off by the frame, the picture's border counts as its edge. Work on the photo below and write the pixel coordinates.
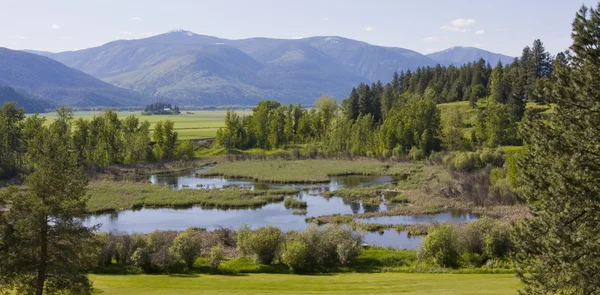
(200, 124)
(354, 283)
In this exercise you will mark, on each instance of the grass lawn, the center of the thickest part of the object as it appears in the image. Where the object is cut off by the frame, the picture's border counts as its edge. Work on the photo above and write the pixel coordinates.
(307, 171)
(353, 283)
(200, 124)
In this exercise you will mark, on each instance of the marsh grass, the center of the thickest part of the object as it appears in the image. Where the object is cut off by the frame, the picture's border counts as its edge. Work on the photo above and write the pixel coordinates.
(306, 171)
(360, 192)
(105, 196)
(293, 203)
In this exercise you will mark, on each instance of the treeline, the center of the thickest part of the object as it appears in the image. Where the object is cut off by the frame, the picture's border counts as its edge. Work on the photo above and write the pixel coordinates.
(402, 117)
(313, 249)
(161, 108)
(103, 140)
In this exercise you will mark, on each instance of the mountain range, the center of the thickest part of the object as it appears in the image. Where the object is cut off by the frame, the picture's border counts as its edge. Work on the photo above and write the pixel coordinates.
(190, 69)
(41, 78)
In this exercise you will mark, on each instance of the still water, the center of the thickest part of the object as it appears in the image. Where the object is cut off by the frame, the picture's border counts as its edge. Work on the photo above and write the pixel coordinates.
(150, 219)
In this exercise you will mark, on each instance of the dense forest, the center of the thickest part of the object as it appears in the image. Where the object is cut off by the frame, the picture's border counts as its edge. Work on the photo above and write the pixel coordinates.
(402, 116)
(101, 141)
(161, 108)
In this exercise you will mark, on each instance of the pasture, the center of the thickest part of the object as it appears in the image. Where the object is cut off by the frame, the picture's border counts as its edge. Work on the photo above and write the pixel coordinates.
(200, 124)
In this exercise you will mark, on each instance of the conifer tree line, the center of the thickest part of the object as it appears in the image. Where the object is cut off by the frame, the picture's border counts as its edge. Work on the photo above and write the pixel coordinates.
(402, 117)
(103, 140)
(161, 108)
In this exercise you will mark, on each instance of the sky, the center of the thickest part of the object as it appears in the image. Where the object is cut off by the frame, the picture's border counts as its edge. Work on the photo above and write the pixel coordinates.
(422, 25)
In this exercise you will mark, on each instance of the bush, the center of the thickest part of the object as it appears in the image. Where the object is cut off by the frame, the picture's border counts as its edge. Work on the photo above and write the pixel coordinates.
(156, 255)
(217, 255)
(188, 246)
(242, 238)
(295, 256)
(264, 243)
(441, 246)
(416, 154)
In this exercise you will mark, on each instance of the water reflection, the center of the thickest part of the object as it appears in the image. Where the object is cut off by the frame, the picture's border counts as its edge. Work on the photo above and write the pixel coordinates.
(150, 219)
(453, 216)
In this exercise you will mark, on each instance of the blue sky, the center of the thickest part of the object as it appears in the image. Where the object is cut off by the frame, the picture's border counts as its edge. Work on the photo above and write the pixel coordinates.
(423, 25)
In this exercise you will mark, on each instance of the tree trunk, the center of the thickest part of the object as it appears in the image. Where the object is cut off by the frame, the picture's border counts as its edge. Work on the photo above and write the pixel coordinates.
(41, 270)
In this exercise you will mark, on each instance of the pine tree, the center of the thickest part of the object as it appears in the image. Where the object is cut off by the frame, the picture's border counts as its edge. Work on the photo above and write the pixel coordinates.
(44, 245)
(559, 250)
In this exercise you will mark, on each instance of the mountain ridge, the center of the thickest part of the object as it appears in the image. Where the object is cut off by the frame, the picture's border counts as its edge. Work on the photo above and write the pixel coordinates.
(187, 68)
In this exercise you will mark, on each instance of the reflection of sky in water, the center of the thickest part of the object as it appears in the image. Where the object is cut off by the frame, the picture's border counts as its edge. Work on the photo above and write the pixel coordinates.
(148, 220)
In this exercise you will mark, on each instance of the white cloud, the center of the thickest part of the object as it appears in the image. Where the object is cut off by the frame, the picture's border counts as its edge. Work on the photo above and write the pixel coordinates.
(55, 27)
(459, 25)
(429, 50)
(431, 38)
(479, 32)
(136, 18)
(17, 37)
(368, 28)
(453, 29)
(461, 22)
(126, 33)
(146, 34)
(479, 45)
(326, 19)
(64, 38)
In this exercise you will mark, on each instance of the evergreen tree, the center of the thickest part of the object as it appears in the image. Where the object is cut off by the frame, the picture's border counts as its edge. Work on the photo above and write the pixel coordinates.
(11, 120)
(558, 248)
(44, 243)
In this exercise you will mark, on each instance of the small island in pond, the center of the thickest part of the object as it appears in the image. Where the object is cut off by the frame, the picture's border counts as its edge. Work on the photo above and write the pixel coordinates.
(161, 108)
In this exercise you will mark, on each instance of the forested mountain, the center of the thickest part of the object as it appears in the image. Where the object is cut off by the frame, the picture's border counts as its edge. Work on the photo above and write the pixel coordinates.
(191, 69)
(459, 55)
(57, 84)
(30, 105)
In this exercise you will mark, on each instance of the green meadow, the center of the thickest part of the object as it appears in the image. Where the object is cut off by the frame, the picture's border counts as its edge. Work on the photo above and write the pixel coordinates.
(200, 124)
(351, 283)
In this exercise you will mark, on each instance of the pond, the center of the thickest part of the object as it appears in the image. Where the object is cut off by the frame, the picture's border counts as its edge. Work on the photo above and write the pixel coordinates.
(150, 219)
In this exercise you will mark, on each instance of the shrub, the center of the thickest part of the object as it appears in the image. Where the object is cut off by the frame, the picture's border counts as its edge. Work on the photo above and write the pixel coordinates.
(188, 246)
(156, 255)
(416, 154)
(295, 256)
(242, 238)
(464, 162)
(441, 246)
(217, 255)
(265, 243)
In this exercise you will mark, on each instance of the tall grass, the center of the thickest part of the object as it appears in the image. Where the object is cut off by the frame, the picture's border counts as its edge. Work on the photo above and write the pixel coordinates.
(306, 171)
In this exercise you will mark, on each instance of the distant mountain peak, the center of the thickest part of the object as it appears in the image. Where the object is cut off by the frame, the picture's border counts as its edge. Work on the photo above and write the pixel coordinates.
(459, 55)
(181, 31)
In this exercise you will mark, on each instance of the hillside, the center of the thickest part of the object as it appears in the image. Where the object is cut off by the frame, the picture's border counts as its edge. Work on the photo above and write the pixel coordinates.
(30, 105)
(191, 69)
(185, 68)
(54, 83)
(461, 55)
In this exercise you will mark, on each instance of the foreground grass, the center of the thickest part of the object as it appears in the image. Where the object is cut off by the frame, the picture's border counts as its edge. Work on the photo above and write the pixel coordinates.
(307, 171)
(381, 283)
(114, 196)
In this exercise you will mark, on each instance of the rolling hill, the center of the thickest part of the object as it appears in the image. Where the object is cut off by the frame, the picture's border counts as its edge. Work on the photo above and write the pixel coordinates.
(52, 82)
